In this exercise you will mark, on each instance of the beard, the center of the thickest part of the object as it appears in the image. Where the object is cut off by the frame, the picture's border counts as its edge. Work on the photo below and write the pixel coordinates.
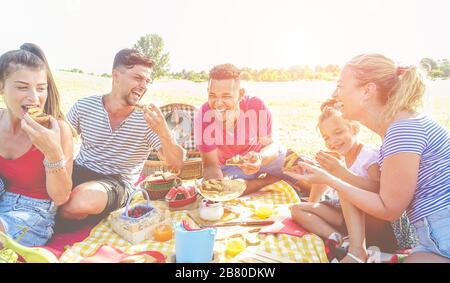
(131, 99)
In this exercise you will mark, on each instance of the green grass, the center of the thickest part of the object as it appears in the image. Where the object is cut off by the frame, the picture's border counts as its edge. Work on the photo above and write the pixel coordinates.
(295, 106)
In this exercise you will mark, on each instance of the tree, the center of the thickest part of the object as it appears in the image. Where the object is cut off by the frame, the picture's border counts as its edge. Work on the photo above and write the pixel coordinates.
(152, 45)
(428, 64)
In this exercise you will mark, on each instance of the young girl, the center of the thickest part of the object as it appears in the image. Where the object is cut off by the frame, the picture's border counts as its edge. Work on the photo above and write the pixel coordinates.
(35, 162)
(414, 155)
(358, 166)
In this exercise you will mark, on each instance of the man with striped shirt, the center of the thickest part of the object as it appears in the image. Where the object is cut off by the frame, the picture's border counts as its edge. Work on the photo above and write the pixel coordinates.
(117, 138)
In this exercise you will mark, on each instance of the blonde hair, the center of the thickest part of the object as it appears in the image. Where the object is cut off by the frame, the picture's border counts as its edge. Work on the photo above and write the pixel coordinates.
(399, 88)
(329, 109)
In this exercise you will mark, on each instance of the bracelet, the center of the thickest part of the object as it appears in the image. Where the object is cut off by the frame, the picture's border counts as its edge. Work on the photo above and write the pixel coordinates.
(54, 165)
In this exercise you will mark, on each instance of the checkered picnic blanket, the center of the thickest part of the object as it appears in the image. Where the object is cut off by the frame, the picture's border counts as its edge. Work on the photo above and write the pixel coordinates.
(309, 248)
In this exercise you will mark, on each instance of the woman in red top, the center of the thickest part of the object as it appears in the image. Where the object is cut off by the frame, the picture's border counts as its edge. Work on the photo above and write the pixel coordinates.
(35, 161)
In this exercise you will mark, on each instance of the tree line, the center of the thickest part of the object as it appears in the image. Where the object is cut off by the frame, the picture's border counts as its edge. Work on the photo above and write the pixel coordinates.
(152, 45)
(436, 69)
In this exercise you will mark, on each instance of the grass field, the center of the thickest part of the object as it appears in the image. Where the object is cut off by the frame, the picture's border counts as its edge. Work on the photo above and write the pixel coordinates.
(294, 105)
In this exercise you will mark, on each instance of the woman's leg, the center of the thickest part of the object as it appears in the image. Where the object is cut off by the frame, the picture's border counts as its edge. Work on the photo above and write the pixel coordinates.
(317, 218)
(422, 257)
(255, 185)
(379, 233)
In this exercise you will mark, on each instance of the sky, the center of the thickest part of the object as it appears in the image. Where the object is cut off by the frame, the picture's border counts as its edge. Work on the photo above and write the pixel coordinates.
(199, 34)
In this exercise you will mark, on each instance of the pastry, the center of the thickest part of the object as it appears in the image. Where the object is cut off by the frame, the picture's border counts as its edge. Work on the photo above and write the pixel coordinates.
(39, 116)
(293, 158)
(236, 160)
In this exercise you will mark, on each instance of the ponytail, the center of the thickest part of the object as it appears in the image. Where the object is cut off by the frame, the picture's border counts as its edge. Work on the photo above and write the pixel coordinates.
(407, 94)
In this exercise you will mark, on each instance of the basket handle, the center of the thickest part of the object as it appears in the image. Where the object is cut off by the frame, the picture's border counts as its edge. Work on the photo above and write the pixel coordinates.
(131, 198)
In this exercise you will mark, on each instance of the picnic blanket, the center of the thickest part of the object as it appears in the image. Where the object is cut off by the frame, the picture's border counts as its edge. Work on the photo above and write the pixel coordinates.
(308, 248)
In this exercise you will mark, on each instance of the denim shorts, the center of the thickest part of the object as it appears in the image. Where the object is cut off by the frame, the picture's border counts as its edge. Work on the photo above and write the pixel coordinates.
(274, 168)
(433, 232)
(28, 220)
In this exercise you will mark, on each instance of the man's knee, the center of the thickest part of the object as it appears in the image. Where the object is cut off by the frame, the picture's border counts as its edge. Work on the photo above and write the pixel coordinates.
(85, 199)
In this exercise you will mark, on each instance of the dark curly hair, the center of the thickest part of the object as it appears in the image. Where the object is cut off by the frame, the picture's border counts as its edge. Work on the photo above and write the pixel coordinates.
(224, 72)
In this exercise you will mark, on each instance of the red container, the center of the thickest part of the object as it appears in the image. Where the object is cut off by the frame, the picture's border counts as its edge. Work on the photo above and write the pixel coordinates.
(181, 196)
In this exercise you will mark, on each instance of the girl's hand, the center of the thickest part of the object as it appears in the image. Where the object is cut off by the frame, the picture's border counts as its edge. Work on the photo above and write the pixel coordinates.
(310, 174)
(253, 164)
(331, 164)
(48, 141)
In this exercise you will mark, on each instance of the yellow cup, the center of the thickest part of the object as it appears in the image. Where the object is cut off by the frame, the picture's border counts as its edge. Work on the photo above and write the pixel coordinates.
(263, 209)
(234, 247)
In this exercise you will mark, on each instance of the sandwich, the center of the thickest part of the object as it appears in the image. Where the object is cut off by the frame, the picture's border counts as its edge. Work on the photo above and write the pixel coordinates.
(292, 159)
(38, 115)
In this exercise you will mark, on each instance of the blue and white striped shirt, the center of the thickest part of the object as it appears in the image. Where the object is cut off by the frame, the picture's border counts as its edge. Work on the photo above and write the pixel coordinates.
(122, 151)
(431, 141)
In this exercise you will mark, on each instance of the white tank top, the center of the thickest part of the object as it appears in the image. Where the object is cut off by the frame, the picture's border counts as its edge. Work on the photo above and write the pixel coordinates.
(366, 158)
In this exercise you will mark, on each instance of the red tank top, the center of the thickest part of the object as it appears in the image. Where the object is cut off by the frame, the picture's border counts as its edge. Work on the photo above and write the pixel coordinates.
(26, 174)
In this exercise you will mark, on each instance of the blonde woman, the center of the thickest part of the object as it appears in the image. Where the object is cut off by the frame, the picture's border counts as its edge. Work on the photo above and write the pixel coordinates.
(414, 156)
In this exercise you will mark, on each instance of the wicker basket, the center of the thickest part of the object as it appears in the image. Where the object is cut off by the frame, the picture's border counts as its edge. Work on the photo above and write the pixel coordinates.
(136, 230)
(158, 191)
(192, 168)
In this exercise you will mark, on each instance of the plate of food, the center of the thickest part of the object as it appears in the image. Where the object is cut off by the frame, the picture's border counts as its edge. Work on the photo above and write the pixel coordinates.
(221, 189)
(236, 160)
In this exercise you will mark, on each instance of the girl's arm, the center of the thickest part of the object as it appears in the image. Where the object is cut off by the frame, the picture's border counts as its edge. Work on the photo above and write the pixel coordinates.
(397, 186)
(336, 168)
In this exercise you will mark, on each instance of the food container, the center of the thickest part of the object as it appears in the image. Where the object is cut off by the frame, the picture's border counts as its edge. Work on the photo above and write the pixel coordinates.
(181, 196)
(163, 232)
(211, 210)
(135, 224)
(159, 184)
